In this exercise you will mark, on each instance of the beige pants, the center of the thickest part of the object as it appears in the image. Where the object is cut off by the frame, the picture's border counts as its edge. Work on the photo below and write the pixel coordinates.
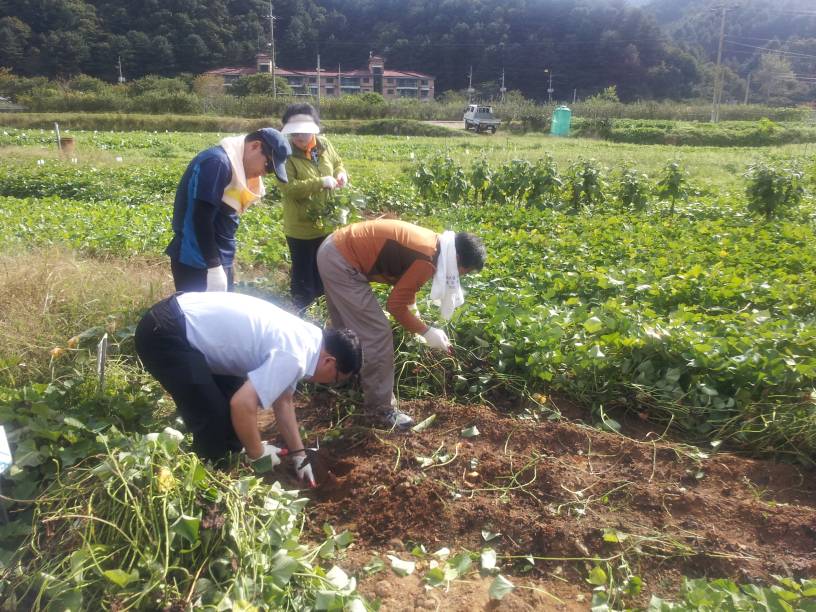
(353, 305)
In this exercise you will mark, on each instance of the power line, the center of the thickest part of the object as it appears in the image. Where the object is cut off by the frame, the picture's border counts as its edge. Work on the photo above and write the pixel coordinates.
(560, 43)
(806, 13)
(779, 51)
(756, 38)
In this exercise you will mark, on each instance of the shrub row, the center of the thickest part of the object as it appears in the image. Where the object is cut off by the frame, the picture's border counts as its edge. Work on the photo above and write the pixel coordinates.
(763, 132)
(121, 122)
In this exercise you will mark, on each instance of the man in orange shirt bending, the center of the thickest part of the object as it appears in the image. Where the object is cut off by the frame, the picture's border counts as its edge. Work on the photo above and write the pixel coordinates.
(405, 256)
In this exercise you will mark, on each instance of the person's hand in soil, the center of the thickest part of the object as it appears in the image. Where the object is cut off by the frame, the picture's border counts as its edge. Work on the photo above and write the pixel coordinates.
(269, 458)
(303, 469)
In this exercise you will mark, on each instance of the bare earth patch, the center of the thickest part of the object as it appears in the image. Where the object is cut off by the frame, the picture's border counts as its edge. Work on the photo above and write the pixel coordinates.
(551, 489)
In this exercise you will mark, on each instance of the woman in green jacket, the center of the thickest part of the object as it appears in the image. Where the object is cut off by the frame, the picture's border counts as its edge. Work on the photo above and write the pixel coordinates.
(315, 170)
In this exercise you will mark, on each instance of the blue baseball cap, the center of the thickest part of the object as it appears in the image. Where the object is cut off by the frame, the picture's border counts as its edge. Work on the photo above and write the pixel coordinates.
(277, 147)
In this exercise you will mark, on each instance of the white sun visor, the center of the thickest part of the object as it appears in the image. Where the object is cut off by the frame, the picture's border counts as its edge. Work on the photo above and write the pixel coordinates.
(301, 124)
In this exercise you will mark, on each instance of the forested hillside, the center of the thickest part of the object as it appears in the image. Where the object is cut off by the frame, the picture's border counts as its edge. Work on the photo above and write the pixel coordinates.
(586, 44)
(775, 41)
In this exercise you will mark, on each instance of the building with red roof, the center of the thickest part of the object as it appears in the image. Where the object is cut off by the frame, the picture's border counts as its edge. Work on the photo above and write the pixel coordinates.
(392, 84)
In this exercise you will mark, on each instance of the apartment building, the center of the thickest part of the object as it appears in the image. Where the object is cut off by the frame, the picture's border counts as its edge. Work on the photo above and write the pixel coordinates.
(335, 82)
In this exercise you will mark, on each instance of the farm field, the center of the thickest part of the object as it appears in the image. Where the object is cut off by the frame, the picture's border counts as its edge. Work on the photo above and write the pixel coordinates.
(629, 413)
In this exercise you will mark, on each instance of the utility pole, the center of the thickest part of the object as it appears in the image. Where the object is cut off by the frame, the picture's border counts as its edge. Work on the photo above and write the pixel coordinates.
(550, 89)
(574, 96)
(119, 64)
(748, 88)
(318, 80)
(272, 44)
(718, 77)
(470, 89)
(503, 88)
(339, 91)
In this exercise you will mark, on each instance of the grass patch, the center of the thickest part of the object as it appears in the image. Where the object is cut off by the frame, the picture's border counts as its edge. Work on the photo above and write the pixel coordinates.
(49, 296)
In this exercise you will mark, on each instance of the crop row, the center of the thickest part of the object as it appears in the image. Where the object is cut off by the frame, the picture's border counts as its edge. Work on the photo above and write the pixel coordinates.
(702, 317)
(773, 187)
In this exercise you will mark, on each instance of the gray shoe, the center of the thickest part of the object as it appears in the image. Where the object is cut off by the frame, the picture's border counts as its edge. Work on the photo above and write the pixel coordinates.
(394, 419)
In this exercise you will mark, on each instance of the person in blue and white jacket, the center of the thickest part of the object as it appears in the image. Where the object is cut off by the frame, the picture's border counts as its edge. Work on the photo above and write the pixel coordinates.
(217, 187)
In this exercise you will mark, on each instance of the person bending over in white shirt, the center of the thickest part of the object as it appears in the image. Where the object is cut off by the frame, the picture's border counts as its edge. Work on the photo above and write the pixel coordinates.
(222, 355)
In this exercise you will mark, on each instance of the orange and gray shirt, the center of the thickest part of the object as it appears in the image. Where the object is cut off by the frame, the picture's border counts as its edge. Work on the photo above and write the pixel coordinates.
(396, 253)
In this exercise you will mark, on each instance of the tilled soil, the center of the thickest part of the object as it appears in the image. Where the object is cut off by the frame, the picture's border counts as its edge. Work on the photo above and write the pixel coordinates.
(550, 489)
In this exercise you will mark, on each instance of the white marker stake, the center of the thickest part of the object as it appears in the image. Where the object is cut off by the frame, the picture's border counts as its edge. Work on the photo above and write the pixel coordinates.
(5, 463)
(101, 357)
(5, 451)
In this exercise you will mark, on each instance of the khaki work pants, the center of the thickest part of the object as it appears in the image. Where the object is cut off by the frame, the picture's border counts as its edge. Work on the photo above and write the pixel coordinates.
(353, 305)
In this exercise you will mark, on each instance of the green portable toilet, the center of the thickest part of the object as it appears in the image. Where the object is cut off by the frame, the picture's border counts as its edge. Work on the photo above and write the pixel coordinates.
(561, 119)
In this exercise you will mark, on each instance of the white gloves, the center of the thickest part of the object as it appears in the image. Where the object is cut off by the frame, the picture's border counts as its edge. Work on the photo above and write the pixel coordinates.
(437, 339)
(270, 457)
(342, 179)
(329, 182)
(303, 469)
(216, 279)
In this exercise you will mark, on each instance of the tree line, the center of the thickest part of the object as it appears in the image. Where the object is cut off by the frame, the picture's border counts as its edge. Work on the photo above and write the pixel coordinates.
(583, 45)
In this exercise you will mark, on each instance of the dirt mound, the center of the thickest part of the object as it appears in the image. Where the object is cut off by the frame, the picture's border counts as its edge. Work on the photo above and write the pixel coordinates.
(553, 490)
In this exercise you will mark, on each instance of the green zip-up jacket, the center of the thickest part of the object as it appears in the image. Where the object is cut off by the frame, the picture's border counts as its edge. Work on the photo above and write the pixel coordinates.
(304, 191)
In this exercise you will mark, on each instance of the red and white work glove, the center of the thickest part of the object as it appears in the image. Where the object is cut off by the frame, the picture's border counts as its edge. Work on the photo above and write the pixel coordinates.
(216, 279)
(303, 469)
(437, 339)
(329, 182)
(342, 179)
(270, 457)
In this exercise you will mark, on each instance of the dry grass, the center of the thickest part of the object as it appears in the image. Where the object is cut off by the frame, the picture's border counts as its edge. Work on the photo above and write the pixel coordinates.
(48, 296)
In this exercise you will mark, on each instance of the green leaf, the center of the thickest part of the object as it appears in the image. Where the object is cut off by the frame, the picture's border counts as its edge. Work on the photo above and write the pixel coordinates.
(600, 602)
(709, 391)
(344, 539)
(375, 565)
(121, 578)
(596, 353)
(72, 422)
(613, 535)
(419, 551)
(424, 424)
(67, 600)
(282, 567)
(327, 600)
(500, 587)
(327, 549)
(593, 324)
(634, 586)
(435, 577)
(461, 563)
(198, 474)
(597, 576)
(187, 527)
(470, 432)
